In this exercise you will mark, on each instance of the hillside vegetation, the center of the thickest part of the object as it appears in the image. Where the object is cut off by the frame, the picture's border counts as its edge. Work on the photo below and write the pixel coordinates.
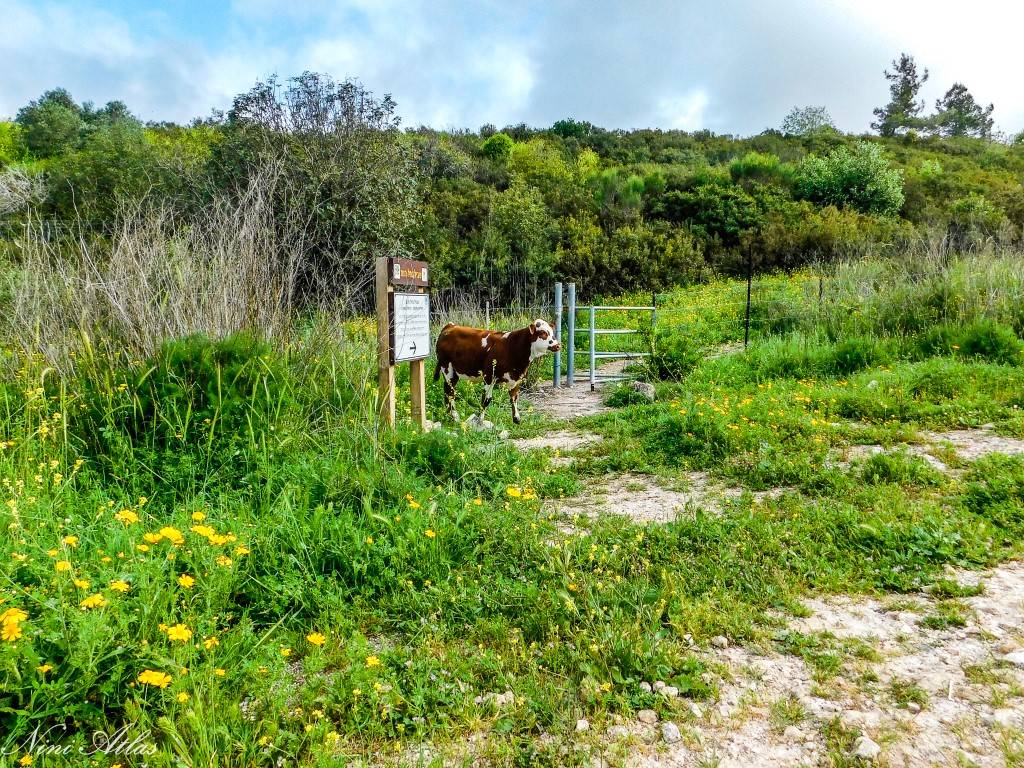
(208, 537)
(215, 541)
(502, 213)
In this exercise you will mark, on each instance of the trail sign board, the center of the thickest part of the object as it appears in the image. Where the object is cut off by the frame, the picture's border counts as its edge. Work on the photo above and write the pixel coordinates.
(410, 326)
(403, 333)
(407, 272)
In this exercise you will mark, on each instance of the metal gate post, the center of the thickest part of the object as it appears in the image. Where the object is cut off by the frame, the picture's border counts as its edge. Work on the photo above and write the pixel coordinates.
(654, 320)
(570, 369)
(556, 378)
(593, 347)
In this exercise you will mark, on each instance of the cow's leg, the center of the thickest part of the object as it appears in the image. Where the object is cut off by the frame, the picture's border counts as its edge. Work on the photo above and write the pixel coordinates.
(513, 396)
(451, 378)
(485, 400)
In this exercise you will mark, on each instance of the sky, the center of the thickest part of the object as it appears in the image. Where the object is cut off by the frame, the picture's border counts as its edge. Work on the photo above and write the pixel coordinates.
(730, 66)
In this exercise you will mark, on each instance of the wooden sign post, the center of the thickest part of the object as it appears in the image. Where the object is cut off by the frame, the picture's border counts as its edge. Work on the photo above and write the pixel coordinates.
(403, 332)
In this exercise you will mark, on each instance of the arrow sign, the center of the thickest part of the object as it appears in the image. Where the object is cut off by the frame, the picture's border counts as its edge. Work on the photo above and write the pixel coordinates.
(410, 322)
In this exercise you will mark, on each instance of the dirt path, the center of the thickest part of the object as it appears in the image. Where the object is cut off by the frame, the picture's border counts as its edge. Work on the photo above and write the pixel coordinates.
(912, 697)
(565, 403)
(897, 691)
(645, 500)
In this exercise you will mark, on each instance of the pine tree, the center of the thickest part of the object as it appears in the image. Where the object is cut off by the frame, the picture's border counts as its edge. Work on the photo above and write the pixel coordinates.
(958, 114)
(903, 110)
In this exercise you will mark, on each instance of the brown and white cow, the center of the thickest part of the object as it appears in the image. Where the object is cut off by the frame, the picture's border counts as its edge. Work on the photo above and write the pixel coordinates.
(494, 356)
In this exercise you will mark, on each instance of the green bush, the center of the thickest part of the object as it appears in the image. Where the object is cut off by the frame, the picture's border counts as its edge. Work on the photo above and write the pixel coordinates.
(898, 468)
(675, 354)
(498, 147)
(995, 491)
(862, 179)
(855, 355)
(197, 406)
(624, 395)
(992, 341)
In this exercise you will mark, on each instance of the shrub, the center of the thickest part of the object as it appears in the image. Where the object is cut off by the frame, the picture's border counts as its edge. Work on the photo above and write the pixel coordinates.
(991, 341)
(675, 355)
(196, 405)
(855, 355)
(972, 219)
(898, 468)
(985, 339)
(713, 211)
(624, 395)
(939, 340)
(757, 166)
(498, 147)
(861, 179)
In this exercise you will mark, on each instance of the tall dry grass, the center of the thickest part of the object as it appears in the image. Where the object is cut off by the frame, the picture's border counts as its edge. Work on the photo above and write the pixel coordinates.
(159, 276)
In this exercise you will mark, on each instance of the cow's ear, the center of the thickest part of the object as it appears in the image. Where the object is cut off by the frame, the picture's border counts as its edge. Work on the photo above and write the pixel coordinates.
(533, 329)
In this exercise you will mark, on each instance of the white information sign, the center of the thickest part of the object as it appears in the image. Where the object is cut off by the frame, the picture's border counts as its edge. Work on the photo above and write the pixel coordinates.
(411, 323)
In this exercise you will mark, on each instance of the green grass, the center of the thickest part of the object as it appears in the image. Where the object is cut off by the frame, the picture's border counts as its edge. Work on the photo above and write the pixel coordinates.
(362, 590)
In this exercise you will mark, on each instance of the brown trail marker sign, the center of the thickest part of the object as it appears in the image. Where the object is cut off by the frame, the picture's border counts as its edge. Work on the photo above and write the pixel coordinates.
(403, 332)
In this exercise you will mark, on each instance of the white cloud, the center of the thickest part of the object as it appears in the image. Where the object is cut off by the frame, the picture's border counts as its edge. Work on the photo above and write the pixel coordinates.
(978, 45)
(736, 68)
(685, 113)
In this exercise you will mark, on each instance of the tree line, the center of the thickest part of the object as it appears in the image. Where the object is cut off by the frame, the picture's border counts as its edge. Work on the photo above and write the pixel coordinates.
(502, 213)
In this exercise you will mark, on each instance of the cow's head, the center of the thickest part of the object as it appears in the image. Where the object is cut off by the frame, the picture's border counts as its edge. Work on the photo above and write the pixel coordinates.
(542, 339)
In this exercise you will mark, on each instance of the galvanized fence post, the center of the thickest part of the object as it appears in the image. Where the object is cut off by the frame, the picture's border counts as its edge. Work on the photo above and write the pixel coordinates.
(570, 361)
(593, 347)
(654, 319)
(556, 378)
(750, 275)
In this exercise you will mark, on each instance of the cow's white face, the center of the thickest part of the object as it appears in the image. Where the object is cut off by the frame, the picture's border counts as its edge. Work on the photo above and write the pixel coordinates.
(544, 340)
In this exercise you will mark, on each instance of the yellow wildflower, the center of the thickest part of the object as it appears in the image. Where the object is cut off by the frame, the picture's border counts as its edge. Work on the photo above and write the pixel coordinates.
(62, 565)
(316, 638)
(182, 697)
(13, 616)
(120, 585)
(94, 601)
(154, 678)
(173, 535)
(186, 581)
(127, 517)
(179, 632)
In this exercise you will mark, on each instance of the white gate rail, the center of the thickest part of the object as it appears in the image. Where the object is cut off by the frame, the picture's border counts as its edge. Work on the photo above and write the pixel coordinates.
(593, 332)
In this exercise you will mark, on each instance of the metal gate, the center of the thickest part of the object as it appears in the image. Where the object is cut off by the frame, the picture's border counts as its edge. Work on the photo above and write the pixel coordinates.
(595, 356)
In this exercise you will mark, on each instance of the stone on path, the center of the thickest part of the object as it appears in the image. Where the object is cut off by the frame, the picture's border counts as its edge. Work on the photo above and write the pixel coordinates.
(670, 733)
(865, 748)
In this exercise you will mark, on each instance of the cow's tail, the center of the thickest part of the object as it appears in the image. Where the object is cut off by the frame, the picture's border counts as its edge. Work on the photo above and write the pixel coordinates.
(437, 364)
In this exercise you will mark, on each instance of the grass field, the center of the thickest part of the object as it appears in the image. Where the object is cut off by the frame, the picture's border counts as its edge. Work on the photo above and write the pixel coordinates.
(220, 548)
